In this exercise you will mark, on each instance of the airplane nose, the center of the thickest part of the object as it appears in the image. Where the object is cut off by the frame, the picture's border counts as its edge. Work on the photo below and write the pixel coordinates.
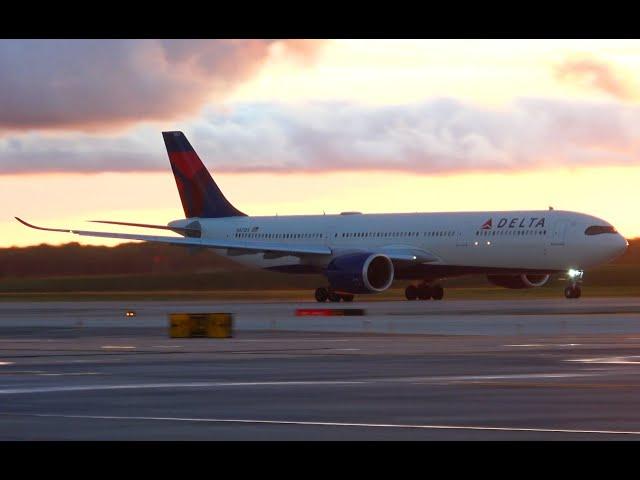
(620, 245)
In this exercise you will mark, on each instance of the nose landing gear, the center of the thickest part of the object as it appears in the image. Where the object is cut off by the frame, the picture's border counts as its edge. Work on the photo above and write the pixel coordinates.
(573, 290)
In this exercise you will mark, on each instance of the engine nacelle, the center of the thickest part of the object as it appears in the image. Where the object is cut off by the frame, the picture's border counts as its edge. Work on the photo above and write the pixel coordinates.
(525, 280)
(360, 273)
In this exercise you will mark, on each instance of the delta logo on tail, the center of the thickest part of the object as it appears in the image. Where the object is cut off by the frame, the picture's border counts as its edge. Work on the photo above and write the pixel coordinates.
(486, 225)
(200, 195)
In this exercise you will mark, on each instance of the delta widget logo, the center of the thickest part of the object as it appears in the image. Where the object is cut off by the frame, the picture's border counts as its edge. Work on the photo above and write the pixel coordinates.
(486, 225)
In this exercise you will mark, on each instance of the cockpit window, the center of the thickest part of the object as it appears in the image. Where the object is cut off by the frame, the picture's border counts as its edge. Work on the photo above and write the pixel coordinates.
(598, 229)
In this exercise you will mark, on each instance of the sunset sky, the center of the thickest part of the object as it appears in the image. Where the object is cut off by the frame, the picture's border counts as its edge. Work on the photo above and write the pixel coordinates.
(306, 126)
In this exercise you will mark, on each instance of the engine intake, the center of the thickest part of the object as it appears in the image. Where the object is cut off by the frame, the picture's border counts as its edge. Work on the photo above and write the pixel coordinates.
(360, 273)
(525, 280)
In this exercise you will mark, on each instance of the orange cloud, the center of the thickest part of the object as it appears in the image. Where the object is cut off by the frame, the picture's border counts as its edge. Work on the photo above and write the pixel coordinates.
(596, 74)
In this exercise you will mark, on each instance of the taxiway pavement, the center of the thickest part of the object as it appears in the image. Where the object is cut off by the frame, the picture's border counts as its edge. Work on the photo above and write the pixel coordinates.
(450, 370)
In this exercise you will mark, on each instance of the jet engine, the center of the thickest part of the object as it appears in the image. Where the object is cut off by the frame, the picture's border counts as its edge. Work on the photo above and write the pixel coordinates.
(360, 273)
(525, 280)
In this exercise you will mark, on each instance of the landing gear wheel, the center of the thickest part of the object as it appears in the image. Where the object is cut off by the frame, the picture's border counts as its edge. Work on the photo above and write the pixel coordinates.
(437, 292)
(411, 292)
(425, 292)
(573, 291)
(347, 298)
(321, 294)
(333, 296)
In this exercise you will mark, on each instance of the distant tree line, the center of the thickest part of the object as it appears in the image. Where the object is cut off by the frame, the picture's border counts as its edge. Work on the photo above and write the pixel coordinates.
(138, 258)
(128, 258)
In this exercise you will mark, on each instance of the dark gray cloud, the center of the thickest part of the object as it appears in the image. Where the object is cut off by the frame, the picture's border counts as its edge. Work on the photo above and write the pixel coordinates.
(84, 153)
(98, 84)
(438, 136)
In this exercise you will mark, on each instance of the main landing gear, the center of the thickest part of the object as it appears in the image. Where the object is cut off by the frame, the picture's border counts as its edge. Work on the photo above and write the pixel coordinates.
(424, 291)
(573, 290)
(324, 294)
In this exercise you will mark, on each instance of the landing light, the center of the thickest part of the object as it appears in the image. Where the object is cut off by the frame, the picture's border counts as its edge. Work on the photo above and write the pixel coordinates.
(575, 273)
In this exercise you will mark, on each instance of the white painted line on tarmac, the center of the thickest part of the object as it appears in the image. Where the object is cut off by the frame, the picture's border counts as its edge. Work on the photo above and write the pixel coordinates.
(275, 340)
(22, 372)
(629, 360)
(516, 376)
(332, 424)
(118, 347)
(82, 388)
(526, 375)
(31, 340)
(391, 380)
(6, 363)
(112, 358)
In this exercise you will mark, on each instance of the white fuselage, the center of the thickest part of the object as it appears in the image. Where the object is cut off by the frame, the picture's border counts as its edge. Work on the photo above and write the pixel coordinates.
(545, 240)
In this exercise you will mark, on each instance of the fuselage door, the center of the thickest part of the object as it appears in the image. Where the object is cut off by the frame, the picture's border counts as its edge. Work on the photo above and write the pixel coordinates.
(461, 239)
(558, 232)
(330, 235)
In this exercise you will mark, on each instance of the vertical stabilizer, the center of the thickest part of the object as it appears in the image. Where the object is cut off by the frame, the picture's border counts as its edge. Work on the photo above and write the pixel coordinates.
(199, 194)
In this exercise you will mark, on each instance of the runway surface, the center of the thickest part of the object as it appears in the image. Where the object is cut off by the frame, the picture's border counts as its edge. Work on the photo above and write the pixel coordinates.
(450, 370)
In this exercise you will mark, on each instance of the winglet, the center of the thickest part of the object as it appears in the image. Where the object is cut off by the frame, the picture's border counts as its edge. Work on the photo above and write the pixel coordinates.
(42, 228)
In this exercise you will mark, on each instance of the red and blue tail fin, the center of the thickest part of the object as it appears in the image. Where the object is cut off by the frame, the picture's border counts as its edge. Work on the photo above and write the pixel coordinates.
(199, 194)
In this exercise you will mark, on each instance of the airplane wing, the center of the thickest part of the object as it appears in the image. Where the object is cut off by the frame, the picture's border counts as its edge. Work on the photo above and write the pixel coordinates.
(397, 253)
(200, 242)
(186, 231)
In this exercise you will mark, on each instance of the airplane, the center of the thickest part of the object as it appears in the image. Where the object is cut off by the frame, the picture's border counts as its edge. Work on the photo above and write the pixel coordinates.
(365, 253)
